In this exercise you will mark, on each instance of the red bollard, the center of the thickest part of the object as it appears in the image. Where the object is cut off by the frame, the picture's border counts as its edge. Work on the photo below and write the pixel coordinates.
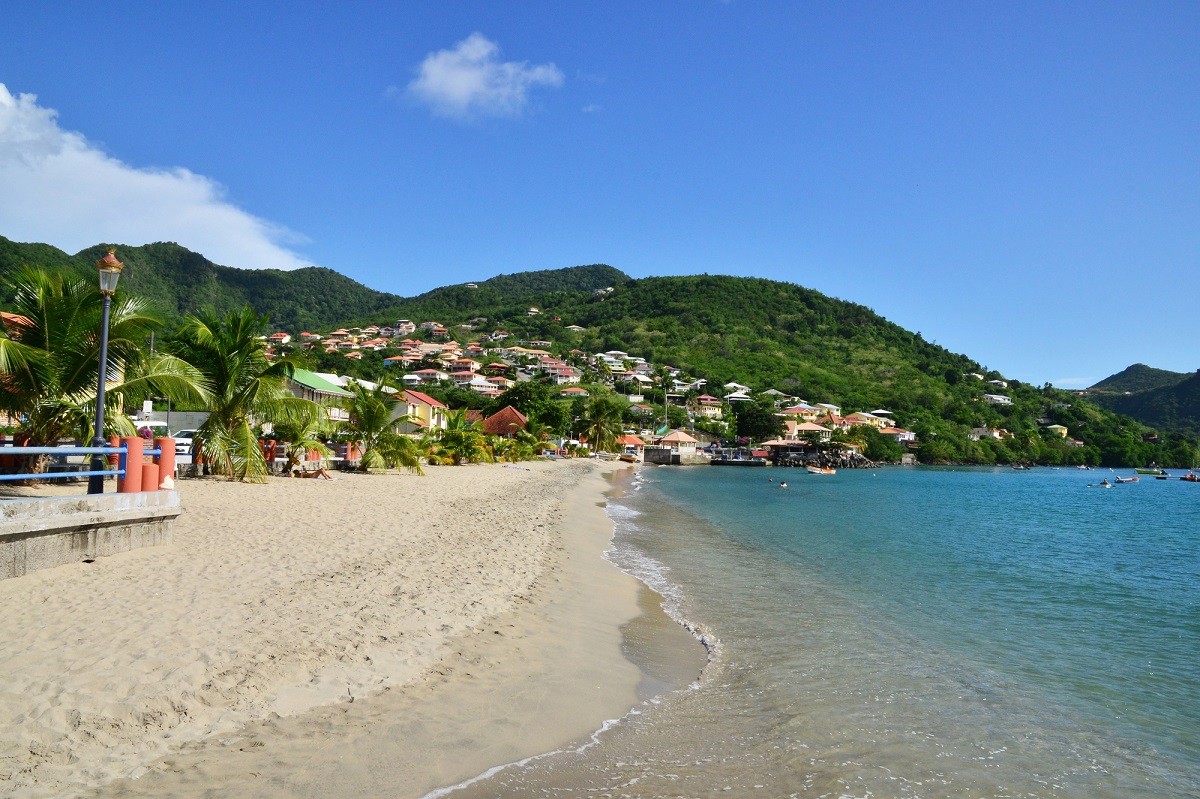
(150, 476)
(131, 483)
(166, 461)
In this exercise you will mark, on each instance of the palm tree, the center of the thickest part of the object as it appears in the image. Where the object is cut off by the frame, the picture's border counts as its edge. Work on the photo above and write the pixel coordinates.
(50, 353)
(376, 416)
(462, 441)
(308, 431)
(604, 371)
(534, 435)
(602, 422)
(247, 389)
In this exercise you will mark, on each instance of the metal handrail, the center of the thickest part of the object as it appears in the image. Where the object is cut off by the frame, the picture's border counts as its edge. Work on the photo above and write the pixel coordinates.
(118, 472)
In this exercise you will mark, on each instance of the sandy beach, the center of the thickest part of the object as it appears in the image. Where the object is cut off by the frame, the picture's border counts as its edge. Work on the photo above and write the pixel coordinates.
(367, 636)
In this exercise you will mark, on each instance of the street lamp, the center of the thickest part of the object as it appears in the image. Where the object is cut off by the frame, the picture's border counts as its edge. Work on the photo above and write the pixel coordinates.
(110, 271)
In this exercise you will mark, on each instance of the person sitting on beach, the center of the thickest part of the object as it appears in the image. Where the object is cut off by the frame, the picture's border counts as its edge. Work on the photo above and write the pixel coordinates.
(319, 472)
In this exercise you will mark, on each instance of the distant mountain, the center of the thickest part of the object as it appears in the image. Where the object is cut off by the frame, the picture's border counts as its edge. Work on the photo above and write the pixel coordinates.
(1172, 408)
(506, 295)
(178, 281)
(1139, 377)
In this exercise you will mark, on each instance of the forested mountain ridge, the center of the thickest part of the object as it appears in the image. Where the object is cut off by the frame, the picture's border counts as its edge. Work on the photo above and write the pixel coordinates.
(178, 281)
(1172, 405)
(1139, 377)
(762, 333)
(773, 335)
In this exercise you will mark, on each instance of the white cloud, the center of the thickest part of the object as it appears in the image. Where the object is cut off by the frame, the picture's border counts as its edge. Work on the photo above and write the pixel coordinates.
(470, 80)
(591, 108)
(62, 190)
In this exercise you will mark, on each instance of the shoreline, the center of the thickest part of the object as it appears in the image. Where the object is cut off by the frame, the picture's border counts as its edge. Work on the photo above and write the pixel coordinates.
(516, 653)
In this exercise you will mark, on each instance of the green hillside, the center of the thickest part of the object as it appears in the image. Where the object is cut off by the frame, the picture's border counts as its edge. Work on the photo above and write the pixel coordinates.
(178, 281)
(773, 335)
(505, 296)
(761, 333)
(1139, 377)
(1172, 408)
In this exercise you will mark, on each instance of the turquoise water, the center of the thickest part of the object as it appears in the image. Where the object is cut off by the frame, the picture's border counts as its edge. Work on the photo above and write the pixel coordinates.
(909, 632)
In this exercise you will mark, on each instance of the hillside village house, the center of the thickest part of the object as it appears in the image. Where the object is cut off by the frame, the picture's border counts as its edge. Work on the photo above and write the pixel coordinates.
(279, 338)
(709, 407)
(899, 435)
(424, 412)
(1058, 430)
(997, 399)
(312, 386)
(862, 417)
(804, 412)
(423, 376)
(796, 431)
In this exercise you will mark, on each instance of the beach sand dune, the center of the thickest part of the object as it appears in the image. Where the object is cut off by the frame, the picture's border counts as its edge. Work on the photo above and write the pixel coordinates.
(289, 641)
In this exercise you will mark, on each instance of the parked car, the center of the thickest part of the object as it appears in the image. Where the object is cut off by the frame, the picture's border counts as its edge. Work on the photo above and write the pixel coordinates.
(183, 441)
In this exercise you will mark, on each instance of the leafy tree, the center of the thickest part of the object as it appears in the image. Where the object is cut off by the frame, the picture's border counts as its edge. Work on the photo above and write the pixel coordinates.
(757, 421)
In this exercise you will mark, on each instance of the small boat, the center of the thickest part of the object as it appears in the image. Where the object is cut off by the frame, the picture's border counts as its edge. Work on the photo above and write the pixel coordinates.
(1162, 476)
(1128, 479)
(820, 470)
(1149, 471)
(1191, 477)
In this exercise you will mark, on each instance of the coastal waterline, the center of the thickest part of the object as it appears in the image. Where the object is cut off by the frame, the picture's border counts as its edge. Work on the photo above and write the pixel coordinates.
(909, 632)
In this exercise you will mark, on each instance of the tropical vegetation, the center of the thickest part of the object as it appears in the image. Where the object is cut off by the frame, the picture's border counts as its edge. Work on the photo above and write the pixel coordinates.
(246, 389)
(375, 426)
(50, 354)
(764, 334)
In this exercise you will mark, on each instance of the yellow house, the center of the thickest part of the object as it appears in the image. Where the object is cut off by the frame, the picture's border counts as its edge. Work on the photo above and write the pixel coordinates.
(862, 417)
(1058, 430)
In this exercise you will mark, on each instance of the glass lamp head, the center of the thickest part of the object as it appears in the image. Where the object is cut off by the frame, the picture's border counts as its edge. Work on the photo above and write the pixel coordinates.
(110, 270)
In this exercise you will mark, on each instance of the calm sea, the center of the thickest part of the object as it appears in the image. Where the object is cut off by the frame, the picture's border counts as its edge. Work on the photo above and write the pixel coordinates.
(908, 632)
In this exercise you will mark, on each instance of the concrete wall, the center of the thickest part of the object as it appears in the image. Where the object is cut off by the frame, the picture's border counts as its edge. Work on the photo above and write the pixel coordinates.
(52, 531)
(181, 420)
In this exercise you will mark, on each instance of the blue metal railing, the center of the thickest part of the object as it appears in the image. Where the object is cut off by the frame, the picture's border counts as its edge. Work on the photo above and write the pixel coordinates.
(65, 451)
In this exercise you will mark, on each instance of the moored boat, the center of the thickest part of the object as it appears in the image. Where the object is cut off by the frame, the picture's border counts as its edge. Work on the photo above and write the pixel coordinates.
(1149, 471)
(1191, 477)
(820, 470)
(1128, 479)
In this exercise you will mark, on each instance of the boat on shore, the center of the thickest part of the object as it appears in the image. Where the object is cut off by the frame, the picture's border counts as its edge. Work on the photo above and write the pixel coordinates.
(820, 470)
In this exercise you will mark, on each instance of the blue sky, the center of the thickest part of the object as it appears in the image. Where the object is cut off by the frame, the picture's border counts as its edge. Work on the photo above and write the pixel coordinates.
(1016, 181)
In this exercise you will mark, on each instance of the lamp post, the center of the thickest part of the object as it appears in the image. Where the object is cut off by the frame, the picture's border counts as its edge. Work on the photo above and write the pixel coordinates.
(110, 271)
